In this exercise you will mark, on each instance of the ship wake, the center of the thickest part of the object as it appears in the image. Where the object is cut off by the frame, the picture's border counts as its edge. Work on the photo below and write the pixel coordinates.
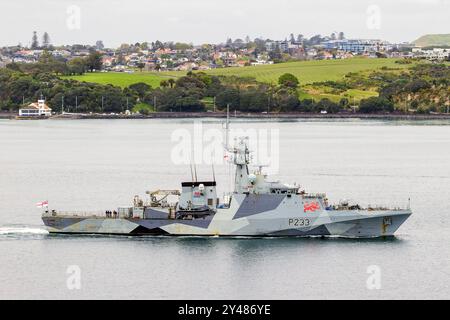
(22, 231)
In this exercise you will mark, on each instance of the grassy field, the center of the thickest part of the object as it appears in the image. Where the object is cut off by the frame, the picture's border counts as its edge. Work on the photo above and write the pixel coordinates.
(306, 71)
(353, 95)
(123, 79)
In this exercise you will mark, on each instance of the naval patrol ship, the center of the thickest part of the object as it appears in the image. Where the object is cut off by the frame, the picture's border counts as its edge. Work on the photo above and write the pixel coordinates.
(257, 207)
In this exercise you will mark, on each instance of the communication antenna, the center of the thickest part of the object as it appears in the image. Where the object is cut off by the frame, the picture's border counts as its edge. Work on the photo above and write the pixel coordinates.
(212, 165)
(192, 173)
(226, 145)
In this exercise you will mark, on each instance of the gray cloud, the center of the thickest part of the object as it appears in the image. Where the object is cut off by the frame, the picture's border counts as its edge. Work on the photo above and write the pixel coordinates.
(199, 21)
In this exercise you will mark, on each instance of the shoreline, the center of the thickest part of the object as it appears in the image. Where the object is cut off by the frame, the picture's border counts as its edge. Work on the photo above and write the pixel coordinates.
(240, 115)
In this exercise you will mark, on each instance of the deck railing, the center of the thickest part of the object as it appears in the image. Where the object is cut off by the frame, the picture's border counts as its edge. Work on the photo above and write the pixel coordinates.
(92, 214)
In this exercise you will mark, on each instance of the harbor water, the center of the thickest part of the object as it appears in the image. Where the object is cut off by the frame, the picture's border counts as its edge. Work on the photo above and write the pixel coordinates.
(88, 165)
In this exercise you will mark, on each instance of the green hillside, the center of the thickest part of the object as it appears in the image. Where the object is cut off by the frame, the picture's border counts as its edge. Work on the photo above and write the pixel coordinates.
(433, 40)
(306, 71)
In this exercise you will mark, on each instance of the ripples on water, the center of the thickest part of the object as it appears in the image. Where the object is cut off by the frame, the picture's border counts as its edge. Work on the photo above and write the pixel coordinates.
(91, 165)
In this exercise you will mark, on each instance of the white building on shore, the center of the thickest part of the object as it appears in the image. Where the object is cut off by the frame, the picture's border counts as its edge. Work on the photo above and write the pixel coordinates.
(435, 54)
(39, 109)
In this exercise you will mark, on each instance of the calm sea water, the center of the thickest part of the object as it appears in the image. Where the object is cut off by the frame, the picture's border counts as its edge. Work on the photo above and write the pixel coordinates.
(98, 164)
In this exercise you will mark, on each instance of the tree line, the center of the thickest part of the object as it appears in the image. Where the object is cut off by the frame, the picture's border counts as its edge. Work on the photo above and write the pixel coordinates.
(47, 63)
(423, 89)
(185, 94)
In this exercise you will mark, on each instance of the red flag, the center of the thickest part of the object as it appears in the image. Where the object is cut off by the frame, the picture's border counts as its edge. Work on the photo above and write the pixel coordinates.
(43, 204)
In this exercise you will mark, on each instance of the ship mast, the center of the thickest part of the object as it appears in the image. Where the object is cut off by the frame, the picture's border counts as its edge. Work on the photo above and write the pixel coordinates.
(241, 158)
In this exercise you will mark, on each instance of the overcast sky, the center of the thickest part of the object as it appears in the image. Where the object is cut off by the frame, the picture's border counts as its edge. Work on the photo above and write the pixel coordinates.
(200, 21)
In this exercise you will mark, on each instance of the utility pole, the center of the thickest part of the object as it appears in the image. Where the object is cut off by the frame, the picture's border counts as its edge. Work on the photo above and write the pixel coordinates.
(103, 102)
(62, 105)
(154, 103)
(76, 104)
(214, 101)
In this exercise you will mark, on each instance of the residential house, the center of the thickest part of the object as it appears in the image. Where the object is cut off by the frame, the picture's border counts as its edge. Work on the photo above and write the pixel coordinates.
(61, 53)
(107, 61)
(358, 46)
(39, 109)
(188, 66)
(229, 58)
(4, 61)
(242, 62)
(343, 55)
(435, 54)
(325, 55)
(204, 67)
(261, 60)
(284, 46)
(311, 53)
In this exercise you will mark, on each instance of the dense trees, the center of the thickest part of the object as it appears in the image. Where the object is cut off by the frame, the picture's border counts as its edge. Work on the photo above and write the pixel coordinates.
(423, 89)
(253, 99)
(76, 66)
(328, 106)
(46, 43)
(47, 63)
(288, 80)
(99, 45)
(186, 94)
(375, 105)
(286, 100)
(416, 85)
(94, 61)
(34, 41)
(17, 87)
(140, 66)
(140, 89)
(46, 40)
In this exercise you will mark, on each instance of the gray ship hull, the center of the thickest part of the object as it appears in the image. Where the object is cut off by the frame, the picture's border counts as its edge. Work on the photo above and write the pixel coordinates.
(247, 215)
